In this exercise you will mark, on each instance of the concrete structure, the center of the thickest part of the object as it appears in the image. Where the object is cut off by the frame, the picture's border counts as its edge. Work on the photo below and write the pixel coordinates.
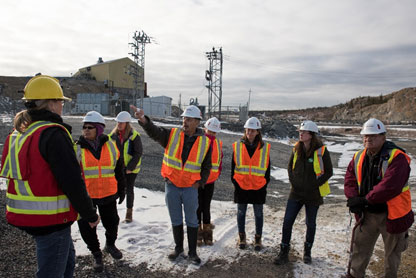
(114, 73)
(160, 106)
(85, 102)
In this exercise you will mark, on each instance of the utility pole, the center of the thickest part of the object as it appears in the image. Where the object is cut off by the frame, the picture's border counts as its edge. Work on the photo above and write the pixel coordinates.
(214, 77)
(140, 39)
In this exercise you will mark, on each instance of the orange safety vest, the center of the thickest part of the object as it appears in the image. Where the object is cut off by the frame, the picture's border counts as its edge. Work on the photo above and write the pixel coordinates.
(318, 168)
(34, 198)
(250, 172)
(215, 160)
(183, 175)
(99, 174)
(398, 206)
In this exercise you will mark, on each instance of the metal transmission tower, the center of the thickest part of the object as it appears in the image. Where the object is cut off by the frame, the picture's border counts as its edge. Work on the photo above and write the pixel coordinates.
(214, 78)
(140, 39)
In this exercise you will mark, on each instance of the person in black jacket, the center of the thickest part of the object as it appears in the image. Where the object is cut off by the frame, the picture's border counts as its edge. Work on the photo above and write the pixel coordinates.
(250, 155)
(103, 171)
(49, 169)
(130, 145)
(308, 187)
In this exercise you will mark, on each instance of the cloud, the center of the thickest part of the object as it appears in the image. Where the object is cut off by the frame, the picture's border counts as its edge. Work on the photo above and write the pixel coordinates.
(291, 54)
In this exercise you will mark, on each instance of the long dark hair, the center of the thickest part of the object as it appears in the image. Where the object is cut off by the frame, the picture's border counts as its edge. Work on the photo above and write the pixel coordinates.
(315, 143)
(257, 139)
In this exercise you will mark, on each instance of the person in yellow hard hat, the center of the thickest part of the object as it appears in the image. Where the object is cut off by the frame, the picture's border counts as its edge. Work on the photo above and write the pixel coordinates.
(45, 190)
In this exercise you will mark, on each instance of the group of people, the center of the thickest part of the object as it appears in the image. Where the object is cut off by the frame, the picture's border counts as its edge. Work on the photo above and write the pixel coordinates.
(54, 181)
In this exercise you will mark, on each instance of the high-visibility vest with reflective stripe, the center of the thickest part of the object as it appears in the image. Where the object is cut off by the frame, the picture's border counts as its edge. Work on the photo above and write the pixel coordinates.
(215, 160)
(99, 173)
(250, 172)
(183, 175)
(33, 197)
(126, 145)
(318, 168)
(398, 206)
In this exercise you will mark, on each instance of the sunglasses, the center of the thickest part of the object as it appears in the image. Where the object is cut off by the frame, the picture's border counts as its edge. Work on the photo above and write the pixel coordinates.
(88, 127)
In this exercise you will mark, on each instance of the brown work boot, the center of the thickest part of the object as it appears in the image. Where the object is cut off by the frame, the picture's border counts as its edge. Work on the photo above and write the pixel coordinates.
(257, 243)
(242, 240)
(200, 238)
(129, 215)
(208, 234)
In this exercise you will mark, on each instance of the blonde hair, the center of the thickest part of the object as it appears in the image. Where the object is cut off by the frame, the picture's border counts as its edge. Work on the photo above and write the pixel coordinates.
(127, 130)
(23, 119)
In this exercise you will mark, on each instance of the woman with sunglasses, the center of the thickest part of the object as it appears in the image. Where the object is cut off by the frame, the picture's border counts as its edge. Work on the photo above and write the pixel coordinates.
(130, 145)
(309, 169)
(102, 169)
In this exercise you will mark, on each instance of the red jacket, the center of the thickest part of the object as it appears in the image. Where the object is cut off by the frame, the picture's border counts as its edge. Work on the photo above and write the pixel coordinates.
(390, 186)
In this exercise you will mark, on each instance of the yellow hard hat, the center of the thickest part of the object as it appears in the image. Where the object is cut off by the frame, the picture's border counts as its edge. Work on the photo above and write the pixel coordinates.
(43, 87)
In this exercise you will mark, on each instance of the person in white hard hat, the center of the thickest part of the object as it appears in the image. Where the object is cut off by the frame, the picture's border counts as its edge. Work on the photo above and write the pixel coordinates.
(309, 169)
(377, 189)
(186, 167)
(103, 172)
(205, 193)
(44, 172)
(250, 174)
(130, 146)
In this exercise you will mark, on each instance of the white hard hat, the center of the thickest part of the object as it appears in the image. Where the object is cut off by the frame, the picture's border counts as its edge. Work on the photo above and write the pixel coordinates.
(253, 123)
(309, 126)
(192, 112)
(213, 125)
(94, 117)
(123, 117)
(373, 126)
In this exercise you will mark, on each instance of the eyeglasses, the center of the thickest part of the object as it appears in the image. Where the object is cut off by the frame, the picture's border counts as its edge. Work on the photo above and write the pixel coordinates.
(88, 127)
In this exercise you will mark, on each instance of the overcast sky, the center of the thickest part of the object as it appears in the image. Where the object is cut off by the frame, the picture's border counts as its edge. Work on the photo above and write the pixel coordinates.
(291, 54)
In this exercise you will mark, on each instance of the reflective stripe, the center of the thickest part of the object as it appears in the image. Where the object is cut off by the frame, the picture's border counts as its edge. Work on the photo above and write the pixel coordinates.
(246, 169)
(37, 205)
(106, 171)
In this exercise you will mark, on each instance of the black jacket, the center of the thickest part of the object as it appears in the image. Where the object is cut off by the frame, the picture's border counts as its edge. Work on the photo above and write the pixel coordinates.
(119, 172)
(56, 148)
(305, 185)
(161, 135)
(242, 196)
(135, 150)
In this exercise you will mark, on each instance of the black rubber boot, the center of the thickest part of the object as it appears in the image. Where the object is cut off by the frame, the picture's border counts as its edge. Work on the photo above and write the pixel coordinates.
(307, 259)
(113, 250)
(98, 261)
(283, 256)
(178, 238)
(192, 239)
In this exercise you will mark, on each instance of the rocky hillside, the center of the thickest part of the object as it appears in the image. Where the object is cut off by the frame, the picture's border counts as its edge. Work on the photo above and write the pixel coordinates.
(397, 107)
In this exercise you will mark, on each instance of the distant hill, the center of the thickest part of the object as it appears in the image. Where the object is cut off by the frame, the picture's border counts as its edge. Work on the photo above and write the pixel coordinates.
(397, 107)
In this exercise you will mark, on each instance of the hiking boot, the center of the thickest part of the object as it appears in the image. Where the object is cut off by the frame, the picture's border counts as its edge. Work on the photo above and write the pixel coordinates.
(257, 243)
(283, 256)
(98, 265)
(242, 240)
(307, 259)
(178, 238)
(208, 234)
(129, 215)
(200, 240)
(114, 252)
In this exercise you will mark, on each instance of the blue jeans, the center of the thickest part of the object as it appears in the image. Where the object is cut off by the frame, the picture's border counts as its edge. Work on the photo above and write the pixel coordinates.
(292, 209)
(55, 254)
(258, 217)
(175, 197)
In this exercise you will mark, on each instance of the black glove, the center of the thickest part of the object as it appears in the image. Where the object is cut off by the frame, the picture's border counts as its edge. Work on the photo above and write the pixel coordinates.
(357, 202)
(121, 197)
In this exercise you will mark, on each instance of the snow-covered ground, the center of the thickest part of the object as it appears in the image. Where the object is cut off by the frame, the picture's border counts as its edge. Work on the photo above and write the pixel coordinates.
(149, 238)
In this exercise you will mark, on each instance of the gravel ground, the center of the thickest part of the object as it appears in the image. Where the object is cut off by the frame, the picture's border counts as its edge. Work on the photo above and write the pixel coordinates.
(17, 249)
